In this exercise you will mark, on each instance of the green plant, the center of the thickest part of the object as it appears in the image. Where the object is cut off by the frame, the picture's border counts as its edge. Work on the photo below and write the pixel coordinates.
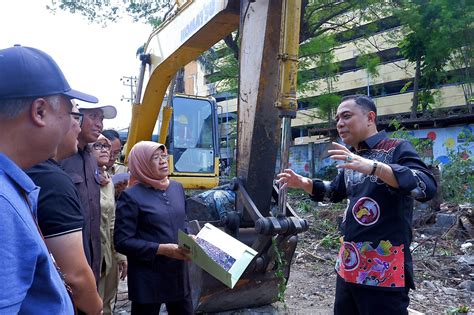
(370, 62)
(305, 205)
(280, 264)
(295, 192)
(327, 225)
(328, 172)
(331, 241)
(421, 145)
(458, 176)
(463, 309)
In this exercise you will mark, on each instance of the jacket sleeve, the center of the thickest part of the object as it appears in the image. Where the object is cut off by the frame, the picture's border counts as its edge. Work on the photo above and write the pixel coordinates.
(334, 191)
(125, 231)
(411, 173)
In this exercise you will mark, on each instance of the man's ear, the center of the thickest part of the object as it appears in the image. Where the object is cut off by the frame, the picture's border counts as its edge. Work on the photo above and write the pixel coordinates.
(38, 110)
(371, 116)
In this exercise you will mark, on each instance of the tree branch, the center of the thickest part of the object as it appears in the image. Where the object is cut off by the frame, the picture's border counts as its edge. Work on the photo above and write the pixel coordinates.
(314, 27)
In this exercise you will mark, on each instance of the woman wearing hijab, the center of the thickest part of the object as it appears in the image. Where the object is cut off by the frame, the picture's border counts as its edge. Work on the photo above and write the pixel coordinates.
(148, 217)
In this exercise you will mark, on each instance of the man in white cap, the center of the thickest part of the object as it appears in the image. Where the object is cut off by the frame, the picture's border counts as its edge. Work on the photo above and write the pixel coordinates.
(35, 114)
(82, 167)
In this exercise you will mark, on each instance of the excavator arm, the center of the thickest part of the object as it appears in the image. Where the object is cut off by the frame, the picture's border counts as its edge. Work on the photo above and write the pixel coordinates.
(195, 28)
(258, 216)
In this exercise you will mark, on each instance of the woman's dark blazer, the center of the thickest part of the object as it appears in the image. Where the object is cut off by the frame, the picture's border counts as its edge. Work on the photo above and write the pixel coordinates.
(145, 218)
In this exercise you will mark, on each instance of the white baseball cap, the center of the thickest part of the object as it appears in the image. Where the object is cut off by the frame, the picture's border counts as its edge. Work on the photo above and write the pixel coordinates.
(110, 112)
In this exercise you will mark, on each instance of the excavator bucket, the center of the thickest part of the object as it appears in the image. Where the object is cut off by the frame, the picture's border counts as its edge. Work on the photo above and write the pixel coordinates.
(274, 237)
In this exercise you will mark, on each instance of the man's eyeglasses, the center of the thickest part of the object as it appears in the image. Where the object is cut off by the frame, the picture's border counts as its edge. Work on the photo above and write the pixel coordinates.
(78, 116)
(101, 146)
(164, 157)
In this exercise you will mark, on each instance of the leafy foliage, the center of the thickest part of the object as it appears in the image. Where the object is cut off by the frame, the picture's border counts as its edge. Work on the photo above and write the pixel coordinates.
(152, 12)
(370, 62)
(327, 105)
(326, 227)
(329, 172)
(421, 145)
(438, 31)
(225, 72)
(305, 206)
(331, 241)
(280, 264)
(458, 176)
(463, 309)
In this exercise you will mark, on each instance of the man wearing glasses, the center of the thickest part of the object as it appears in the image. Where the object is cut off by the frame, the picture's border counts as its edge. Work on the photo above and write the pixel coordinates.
(61, 221)
(82, 168)
(35, 106)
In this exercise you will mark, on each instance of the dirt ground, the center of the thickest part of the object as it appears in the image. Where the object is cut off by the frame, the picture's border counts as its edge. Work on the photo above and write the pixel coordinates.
(444, 274)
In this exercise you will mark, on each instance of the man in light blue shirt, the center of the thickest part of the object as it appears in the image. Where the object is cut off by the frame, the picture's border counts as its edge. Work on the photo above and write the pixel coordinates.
(35, 114)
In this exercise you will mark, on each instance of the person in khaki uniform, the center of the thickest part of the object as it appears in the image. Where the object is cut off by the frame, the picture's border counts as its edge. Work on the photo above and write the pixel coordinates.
(114, 166)
(109, 276)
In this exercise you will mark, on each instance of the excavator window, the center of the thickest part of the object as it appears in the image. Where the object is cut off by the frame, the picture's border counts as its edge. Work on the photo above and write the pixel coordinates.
(193, 135)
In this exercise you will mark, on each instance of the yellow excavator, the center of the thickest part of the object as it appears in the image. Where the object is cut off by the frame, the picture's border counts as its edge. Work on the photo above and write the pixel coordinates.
(259, 215)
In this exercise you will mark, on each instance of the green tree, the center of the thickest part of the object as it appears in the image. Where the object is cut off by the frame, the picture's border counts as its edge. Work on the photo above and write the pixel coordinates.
(326, 25)
(438, 31)
(436, 34)
(110, 11)
(322, 22)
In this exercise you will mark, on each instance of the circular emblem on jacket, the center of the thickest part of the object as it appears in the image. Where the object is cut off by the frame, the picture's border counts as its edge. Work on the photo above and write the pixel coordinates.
(366, 211)
(350, 256)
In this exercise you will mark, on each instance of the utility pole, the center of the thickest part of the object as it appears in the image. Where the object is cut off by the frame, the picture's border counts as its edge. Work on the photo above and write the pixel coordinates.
(132, 83)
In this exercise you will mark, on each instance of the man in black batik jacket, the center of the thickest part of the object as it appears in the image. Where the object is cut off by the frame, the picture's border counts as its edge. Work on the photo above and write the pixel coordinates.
(380, 177)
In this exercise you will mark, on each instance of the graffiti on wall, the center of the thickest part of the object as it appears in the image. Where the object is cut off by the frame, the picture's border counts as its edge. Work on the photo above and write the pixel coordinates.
(299, 160)
(458, 139)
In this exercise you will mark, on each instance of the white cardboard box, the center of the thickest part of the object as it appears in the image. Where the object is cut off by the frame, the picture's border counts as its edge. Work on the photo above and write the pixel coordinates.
(218, 253)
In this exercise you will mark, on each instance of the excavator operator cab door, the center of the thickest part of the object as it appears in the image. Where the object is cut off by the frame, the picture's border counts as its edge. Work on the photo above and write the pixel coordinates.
(193, 142)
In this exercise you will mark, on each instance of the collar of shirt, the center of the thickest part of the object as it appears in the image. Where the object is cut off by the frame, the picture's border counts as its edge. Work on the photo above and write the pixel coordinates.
(16, 174)
(53, 161)
(19, 177)
(370, 142)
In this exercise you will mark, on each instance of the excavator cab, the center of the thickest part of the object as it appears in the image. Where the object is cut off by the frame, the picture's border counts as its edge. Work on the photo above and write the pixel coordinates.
(193, 142)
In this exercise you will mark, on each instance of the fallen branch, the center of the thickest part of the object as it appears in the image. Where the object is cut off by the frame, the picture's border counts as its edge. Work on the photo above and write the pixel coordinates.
(314, 255)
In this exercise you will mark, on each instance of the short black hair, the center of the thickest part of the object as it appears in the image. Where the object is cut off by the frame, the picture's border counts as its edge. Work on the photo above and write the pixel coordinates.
(363, 101)
(111, 134)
